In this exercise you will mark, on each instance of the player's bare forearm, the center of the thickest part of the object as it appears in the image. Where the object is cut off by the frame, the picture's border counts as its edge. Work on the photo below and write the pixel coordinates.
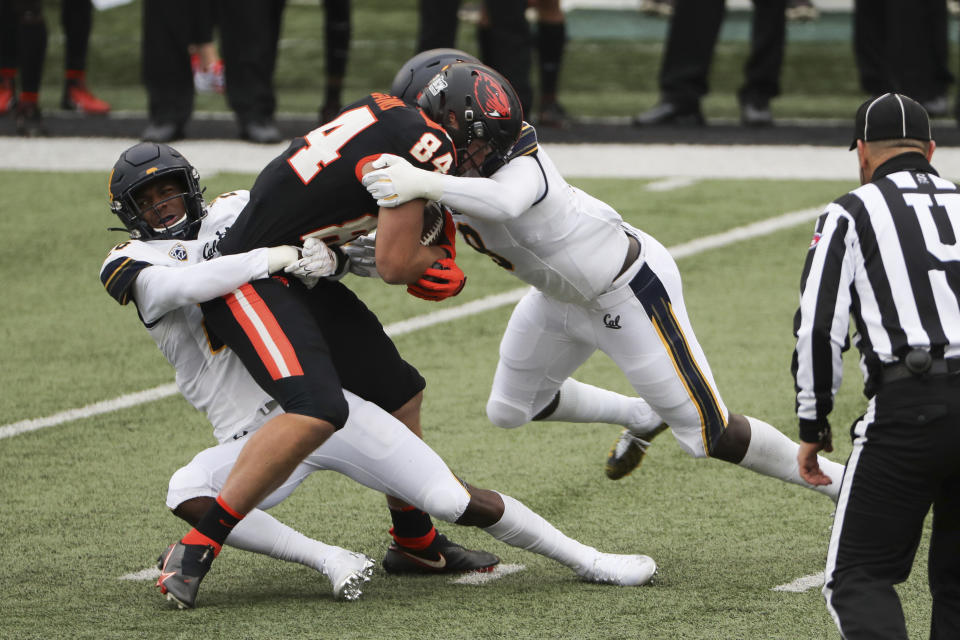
(401, 259)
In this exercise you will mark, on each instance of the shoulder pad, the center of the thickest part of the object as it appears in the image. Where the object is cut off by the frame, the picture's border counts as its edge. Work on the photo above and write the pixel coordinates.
(118, 275)
(526, 144)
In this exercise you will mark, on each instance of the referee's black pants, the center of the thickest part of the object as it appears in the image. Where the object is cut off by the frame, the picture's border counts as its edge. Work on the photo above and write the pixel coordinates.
(906, 457)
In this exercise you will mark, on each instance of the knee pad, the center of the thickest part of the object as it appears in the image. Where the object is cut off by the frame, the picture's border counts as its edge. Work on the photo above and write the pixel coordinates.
(446, 500)
(191, 481)
(506, 415)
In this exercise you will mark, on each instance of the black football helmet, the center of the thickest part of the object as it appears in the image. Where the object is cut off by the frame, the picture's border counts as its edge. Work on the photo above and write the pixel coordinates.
(142, 164)
(418, 70)
(471, 102)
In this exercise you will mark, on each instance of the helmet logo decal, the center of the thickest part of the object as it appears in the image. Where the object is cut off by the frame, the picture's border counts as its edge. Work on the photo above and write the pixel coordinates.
(491, 96)
(437, 85)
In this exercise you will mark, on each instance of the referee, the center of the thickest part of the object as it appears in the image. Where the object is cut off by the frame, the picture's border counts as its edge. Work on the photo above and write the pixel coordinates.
(887, 253)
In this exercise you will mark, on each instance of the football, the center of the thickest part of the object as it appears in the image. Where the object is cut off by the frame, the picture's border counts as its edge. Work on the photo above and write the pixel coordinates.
(432, 230)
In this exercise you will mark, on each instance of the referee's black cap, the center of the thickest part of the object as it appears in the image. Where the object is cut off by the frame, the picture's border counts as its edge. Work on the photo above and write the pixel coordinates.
(890, 117)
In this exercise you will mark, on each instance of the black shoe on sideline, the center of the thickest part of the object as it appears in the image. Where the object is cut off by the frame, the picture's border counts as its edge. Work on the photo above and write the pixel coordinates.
(668, 113)
(755, 114)
(161, 132)
(263, 132)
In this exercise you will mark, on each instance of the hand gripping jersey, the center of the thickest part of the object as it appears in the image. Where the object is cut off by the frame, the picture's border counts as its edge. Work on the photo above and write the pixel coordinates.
(549, 234)
(314, 187)
(166, 279)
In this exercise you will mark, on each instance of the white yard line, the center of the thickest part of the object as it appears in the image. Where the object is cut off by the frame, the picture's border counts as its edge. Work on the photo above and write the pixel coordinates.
(498, 572)
(107, 406)
(802, 584)
(669, 184)
(150, 573)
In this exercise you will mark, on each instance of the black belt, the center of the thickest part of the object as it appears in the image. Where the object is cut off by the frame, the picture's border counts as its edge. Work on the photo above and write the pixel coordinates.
(919, 364)
(633, 251)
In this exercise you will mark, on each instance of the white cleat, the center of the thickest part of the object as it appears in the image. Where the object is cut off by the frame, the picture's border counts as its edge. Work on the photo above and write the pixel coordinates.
(619, 569)
(348, 571)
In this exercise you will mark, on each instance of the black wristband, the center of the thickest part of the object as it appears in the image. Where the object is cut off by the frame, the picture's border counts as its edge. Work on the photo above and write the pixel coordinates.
(814, 430)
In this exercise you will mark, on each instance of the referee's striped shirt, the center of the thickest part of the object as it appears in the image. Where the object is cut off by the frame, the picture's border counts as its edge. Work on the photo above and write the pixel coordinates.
(886, 253)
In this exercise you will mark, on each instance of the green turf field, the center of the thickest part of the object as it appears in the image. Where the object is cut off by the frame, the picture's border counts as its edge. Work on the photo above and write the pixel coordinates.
(611, 65)
(82, 502)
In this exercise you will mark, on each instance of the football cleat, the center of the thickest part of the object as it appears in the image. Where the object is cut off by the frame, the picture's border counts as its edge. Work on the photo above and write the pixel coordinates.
(76, 97)
(182, 567)
(552, 114)
(8, 95)
(28, 120)
(442, 556)
(628, 452)
(622, 570)
(348, 571)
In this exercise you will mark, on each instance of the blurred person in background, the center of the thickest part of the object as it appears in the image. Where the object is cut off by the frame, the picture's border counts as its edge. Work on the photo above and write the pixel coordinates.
(902, 47)
(504, 40)
(336, 43)
(551, 41)
(688, 54)
(23, 47)
(249, 36)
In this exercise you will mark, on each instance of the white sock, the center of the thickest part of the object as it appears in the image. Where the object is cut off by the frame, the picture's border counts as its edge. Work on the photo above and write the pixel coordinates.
(521, 527)
(580, 402)
(773, 454)
(260, 532)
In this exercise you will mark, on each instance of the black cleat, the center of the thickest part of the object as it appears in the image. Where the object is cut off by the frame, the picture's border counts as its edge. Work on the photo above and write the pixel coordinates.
(442, 556)
(628, 452)
(182, 567)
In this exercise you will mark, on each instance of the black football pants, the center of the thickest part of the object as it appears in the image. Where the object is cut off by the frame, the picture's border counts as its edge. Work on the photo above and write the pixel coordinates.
(906, 457)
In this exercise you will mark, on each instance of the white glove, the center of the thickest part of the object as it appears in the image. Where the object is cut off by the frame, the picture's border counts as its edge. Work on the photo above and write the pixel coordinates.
(318, 261)
(395, 181)
(363, 256)
(279, 257)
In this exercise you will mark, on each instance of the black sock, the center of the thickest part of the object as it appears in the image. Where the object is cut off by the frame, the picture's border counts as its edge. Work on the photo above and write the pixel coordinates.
(413, 526)
(216, 524)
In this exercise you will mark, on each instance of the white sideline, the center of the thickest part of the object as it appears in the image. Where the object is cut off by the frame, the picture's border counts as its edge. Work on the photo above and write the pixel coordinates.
(579, 160)
(756, 229)
(648, 161)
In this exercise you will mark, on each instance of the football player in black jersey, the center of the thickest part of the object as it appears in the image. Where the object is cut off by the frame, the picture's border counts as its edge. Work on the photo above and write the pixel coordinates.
(303, 345)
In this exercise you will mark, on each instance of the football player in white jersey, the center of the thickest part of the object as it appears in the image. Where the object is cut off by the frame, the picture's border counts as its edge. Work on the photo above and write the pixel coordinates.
(166, 278)
(598, 283)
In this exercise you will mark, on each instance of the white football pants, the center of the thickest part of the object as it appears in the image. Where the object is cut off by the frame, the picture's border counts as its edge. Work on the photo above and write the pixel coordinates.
(373, 448)
(641, 323)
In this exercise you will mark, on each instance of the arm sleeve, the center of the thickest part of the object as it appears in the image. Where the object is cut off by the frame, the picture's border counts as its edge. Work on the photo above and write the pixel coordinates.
(822, 322)
(506, 195)
(160, 289)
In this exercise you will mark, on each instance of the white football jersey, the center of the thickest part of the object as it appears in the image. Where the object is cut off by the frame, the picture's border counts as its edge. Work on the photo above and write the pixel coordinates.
(567, 244)
(167, 279)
